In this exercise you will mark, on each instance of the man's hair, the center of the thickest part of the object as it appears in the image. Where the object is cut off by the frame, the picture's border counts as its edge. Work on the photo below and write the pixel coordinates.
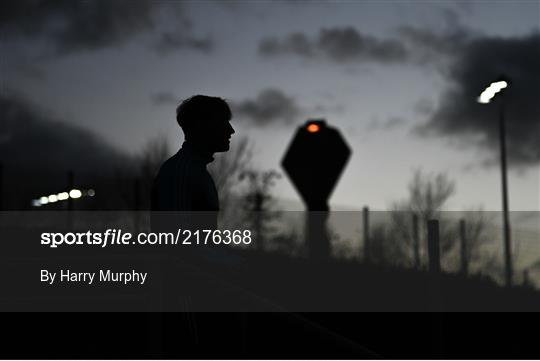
(199, 111)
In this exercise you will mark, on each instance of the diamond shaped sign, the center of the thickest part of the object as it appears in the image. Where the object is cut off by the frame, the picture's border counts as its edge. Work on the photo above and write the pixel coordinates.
(314, 162)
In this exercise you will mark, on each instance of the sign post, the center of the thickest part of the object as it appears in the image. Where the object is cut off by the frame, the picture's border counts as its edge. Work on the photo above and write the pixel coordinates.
(314, 162)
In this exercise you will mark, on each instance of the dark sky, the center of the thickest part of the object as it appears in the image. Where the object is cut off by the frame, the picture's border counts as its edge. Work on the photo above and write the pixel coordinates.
(400, 79)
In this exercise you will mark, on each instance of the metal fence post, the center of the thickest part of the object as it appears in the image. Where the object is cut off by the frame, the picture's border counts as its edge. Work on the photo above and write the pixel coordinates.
(367, 246)
(463, 248)
(433, 246)
(416, 241)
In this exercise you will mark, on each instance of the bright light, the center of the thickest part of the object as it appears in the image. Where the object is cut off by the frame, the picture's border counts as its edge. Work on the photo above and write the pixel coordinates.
(499, 84)
(490, 91)
(63, 196)
(75, 193)
(313, 128)
(484, 98)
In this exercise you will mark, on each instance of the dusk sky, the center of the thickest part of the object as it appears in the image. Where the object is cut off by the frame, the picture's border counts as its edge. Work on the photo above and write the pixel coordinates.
(398, 78)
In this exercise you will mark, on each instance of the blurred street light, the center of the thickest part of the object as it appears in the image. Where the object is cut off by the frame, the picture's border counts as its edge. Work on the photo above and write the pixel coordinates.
(62, 196)
(491, 90)
(75, 193)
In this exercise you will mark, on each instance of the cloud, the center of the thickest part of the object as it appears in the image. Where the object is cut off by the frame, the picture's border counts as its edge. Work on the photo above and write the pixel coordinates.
(295, 43)
(385, 125)
(339, 44)
(77, 25)
(430, 46)
(268, 107)
(171, 41)
(32, 140)
(164, 98)
(408, 45)
(480, 61)
(437, 45)
(330, 108)
(73, 26)
(469, 61)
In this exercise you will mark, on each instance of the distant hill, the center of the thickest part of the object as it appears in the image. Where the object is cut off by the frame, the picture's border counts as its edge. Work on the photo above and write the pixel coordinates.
(30, 139)
(37, 152)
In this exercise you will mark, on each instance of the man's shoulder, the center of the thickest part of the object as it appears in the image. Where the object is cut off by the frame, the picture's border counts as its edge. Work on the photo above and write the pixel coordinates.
(168, 165)
(182, 163)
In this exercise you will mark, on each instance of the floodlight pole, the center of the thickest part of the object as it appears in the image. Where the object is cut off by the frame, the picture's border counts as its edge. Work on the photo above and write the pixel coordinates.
(71, 185)
(506, 219)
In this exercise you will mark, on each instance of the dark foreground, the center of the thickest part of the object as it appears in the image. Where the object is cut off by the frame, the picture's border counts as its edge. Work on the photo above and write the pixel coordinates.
(270, 335)
(266, 335)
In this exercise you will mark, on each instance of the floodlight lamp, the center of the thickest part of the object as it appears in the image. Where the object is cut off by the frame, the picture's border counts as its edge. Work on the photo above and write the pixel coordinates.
(75, 193)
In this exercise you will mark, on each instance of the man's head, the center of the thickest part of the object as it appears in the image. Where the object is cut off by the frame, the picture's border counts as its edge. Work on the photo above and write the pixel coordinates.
(205, 121)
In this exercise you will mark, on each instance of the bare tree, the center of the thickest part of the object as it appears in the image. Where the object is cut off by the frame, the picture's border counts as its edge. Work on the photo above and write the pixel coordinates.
(384, 249)
(476, 234)
(259, 203)
(152, 156)
(226, 170)
(428, 193)
(288, 241)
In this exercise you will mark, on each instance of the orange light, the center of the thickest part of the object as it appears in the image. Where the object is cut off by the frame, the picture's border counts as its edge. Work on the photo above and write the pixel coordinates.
(313, 128)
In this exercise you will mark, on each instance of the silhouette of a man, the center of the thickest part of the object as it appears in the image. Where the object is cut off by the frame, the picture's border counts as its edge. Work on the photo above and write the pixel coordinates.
(183, 182)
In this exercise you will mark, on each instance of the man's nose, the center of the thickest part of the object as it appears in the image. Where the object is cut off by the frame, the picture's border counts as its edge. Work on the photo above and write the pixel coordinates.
(231, 129)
